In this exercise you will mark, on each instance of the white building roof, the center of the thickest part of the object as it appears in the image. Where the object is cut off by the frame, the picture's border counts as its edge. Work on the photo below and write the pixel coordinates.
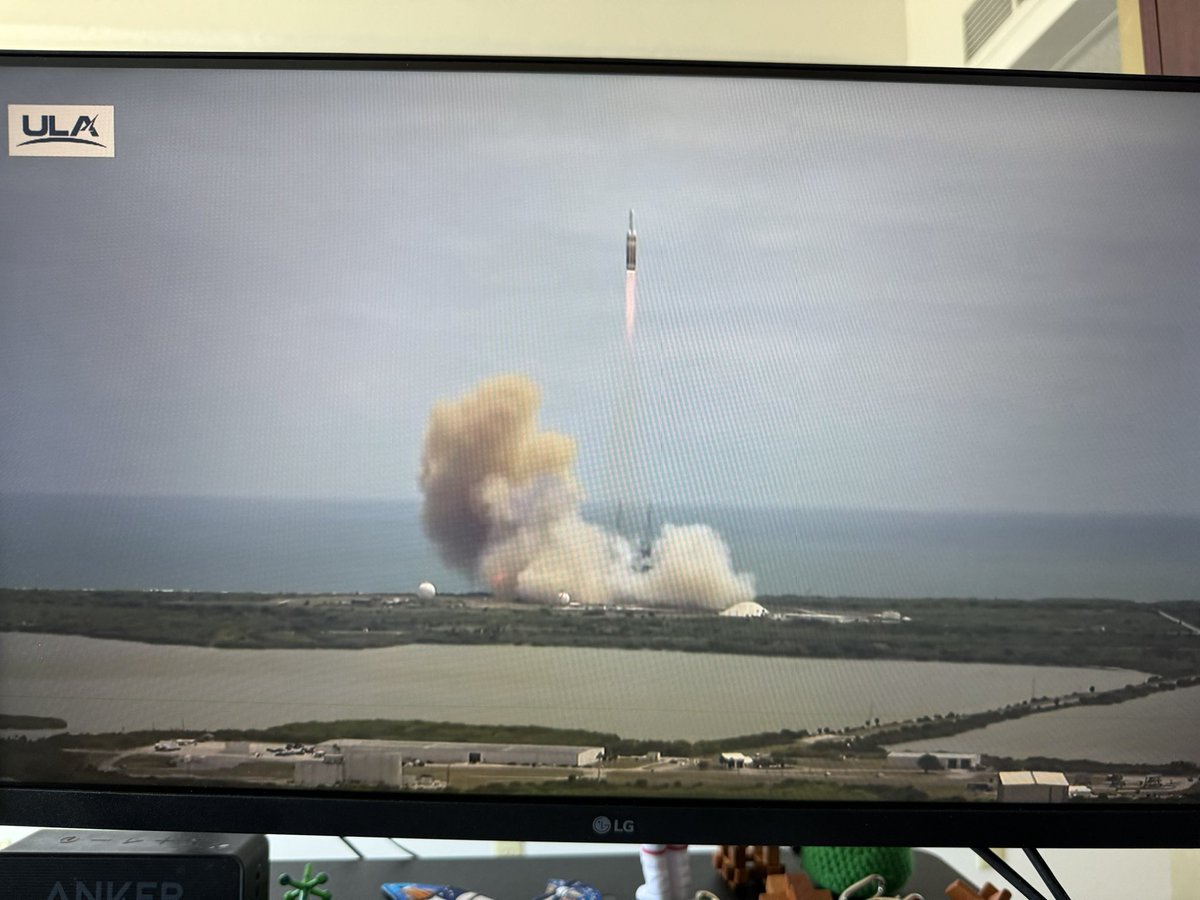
(1046, 778)
(747, 609)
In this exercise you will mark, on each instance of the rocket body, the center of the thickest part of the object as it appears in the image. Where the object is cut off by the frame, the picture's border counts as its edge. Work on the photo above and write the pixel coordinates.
(631, 246)
(630, 279)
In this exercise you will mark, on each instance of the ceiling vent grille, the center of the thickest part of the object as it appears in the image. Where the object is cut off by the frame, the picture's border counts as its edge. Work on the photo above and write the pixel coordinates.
(980, 22)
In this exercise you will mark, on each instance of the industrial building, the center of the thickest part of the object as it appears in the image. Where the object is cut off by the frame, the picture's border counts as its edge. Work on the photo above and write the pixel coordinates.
(469, 752)
(377, 762)
(323, 773)
(747, 609)
(911, 759)
(364, 762)
(1032, 787)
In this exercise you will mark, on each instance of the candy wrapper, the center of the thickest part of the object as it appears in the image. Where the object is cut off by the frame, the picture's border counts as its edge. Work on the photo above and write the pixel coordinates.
(410, 890)
(562, 889)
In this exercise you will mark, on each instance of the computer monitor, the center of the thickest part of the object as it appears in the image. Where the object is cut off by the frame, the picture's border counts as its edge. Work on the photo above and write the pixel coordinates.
(599, 450)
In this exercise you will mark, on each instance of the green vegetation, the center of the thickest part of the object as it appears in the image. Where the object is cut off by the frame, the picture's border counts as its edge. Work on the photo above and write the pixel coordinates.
(36, 762)
(928, 727)
(418, 730)
(736, 789)
(107, 742)
(1063, 632)
(80, 759)
(30, 723)
(928, 763)
(89, 759)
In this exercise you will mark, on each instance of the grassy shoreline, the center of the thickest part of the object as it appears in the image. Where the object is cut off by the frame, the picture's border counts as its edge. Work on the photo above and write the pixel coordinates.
(10, 722)
(790, 747)
(865, 741)
(1070, 633)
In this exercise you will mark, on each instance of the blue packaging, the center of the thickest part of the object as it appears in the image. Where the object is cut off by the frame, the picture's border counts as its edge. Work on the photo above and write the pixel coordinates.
(411, 890)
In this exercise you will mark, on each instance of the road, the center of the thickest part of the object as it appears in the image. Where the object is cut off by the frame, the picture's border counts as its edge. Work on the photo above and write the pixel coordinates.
(1192, 628)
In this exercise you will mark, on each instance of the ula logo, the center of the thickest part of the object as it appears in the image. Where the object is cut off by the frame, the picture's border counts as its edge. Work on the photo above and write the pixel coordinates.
(60, 130)
(47, 133)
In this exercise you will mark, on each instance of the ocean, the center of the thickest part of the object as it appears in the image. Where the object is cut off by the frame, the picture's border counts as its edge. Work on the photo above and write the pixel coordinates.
(221, 544)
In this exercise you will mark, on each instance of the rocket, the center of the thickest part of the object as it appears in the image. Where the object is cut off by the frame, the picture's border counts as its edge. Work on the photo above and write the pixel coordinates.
(630, 280)
(631, 246)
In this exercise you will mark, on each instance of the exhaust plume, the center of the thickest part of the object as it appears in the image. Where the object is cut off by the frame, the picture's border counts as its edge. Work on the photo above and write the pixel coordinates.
(630, 304)
(503, 504)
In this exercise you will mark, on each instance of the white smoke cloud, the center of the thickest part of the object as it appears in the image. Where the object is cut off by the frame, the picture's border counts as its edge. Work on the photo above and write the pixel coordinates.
(502, 502)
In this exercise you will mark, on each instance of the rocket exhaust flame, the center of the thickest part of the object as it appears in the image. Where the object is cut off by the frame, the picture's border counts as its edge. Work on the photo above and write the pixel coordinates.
(624, 469)
(630, 303)
(630, 278)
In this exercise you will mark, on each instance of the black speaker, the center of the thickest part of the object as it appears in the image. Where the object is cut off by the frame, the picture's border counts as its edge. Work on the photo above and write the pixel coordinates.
(136, 865)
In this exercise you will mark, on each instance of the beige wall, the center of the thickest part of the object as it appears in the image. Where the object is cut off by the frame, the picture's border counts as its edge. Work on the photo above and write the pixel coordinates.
(935, 32)
(866, 31)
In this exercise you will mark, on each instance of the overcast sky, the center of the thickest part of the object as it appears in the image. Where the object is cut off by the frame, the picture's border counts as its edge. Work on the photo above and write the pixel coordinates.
(851, 295)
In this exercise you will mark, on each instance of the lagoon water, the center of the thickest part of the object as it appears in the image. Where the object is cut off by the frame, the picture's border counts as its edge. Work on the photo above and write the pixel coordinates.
(1156, 729)
(103, 685)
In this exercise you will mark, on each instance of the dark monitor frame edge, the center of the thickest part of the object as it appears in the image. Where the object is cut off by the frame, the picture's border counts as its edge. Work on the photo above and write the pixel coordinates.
(595, 65)
(1072, 824)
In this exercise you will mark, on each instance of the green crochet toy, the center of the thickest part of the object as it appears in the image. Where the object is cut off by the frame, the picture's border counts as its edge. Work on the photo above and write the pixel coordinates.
(836, 868)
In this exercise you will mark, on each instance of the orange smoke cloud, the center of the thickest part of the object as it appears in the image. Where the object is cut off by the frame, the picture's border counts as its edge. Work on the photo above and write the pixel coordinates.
(502, 503)
(475, 445)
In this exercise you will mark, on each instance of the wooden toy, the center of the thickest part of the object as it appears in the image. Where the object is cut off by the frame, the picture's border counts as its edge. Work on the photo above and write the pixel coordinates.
(960, 890)
(746, 864)
(793, 887)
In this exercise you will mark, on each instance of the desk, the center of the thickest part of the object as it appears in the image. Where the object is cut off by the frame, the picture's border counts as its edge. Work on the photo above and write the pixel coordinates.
(520, 878)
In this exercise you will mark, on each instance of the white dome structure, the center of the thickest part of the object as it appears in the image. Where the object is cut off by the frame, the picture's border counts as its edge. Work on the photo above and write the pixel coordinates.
(426, 590)
(747, 609)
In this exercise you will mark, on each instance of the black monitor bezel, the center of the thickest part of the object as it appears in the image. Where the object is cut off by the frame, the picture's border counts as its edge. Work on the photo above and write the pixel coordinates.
(1082, 824)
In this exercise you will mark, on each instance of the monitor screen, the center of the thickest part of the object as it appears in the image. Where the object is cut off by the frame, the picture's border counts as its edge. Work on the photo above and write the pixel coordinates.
(615, 451)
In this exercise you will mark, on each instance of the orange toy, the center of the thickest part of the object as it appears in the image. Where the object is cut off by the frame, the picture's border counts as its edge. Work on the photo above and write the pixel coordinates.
(960, 890)
(746, 864)
(793, 887)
